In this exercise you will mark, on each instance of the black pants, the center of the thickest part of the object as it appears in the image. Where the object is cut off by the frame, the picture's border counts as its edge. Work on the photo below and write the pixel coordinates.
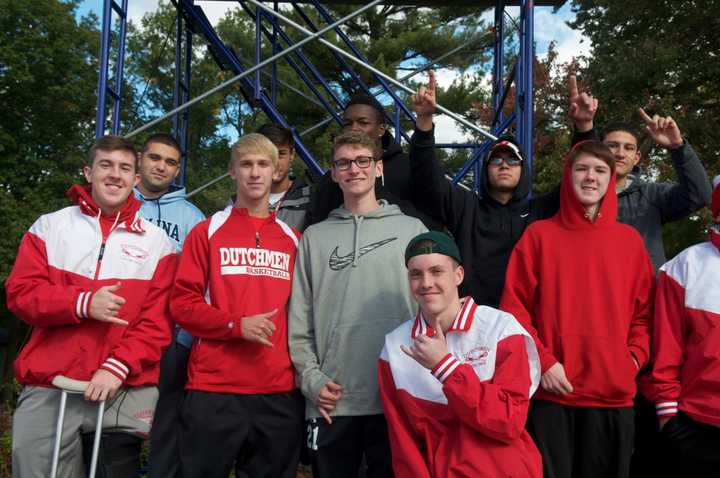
(164, 451)
(259, 434)
(693, 448)
(648, 442)
(337, 450)
(582, 442)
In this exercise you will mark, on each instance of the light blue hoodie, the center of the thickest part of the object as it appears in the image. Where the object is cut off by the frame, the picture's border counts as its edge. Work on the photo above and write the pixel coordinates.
(175, 215)
(172, 213)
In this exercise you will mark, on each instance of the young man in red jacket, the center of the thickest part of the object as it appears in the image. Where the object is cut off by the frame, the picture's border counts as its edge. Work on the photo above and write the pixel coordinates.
(456, 380)
(684, 382)
(93, 281)
(231, 291)
(588, 309)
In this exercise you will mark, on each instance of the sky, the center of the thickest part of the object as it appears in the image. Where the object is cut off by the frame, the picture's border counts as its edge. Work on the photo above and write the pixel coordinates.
(549, 27)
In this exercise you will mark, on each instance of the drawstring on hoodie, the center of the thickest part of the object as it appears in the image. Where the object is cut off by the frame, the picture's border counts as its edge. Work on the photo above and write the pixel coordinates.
(356, 241)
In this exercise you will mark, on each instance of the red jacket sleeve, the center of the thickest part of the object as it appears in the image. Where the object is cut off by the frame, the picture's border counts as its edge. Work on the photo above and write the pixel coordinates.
(147, 336)
(187, 300)
(407, 458)
(662, 385)
(518, 298)
(641, 322)
(31, 295)
(497, 408)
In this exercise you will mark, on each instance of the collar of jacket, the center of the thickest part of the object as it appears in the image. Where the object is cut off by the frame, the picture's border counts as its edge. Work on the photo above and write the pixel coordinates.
(127, 217)
(463, 320)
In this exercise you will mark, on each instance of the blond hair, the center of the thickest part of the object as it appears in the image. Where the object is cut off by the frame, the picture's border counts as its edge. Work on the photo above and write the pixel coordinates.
(254, 143)
(358, 139)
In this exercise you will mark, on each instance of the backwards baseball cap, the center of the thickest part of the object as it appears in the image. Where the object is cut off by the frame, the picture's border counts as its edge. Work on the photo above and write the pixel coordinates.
(432, 242)
(715, 204)
(506, 143)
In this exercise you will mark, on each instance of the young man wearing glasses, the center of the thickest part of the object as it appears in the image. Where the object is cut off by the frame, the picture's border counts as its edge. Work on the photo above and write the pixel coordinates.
(487, 225)
(349, 290)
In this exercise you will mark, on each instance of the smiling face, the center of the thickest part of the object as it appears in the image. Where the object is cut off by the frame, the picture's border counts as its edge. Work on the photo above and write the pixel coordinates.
(434, 280)
(112, 177)
(363, 118)
(159, 166)
(355, 181)
(252, 173)
(624, 148)
(590, 178)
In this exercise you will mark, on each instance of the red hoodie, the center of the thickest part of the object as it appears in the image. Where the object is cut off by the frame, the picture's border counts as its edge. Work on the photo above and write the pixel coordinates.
(63, 259)
(584, 291)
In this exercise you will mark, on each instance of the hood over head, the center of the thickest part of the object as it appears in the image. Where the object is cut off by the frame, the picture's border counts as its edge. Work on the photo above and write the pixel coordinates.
(572, 213)
(523, 187)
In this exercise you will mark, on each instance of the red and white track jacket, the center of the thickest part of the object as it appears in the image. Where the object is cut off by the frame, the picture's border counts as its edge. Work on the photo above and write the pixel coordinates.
(63, 259)
(229, 270)
(686, 336)
(466, 417)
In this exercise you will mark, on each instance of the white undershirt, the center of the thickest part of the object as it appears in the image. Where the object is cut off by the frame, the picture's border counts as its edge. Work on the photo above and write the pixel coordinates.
(276, 197)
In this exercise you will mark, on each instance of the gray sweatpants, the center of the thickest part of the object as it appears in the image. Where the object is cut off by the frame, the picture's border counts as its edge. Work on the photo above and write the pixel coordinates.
(35, 418)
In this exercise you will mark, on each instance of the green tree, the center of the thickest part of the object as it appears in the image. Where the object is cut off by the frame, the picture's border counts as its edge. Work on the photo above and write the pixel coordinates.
(48, 72)
(661, 55)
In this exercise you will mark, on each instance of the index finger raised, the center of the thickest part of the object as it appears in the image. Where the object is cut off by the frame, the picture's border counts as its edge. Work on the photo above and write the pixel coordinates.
(644, 116)
(572, 83)
(431, 80)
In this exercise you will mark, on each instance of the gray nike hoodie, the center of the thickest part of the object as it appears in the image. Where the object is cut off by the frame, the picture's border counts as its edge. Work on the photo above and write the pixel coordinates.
(350, 288)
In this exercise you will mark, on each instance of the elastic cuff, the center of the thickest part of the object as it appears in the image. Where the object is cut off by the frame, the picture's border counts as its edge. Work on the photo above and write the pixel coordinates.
(445, 367)
(666, 409)
(424, 138)
(82, 304)
(116, 367)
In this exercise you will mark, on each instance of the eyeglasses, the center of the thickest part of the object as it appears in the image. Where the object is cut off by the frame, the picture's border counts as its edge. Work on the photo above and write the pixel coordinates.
(498, 160)
(362, 162)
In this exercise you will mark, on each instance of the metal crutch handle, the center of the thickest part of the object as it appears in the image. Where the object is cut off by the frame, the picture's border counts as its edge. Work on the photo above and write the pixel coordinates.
(70, 385)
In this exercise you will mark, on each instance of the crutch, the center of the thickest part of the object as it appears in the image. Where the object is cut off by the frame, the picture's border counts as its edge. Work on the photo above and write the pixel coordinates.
(69, 385)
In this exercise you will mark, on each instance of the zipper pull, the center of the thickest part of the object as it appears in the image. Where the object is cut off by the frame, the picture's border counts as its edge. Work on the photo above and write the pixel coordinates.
(102, 251)
(257, 239)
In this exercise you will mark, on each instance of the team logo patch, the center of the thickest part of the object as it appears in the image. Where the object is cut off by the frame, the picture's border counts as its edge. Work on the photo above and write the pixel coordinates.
(133, 253)
(477, 356)
(145, 416)
(338, 263)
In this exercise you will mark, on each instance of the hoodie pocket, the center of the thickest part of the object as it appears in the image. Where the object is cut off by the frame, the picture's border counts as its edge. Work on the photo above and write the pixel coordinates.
(599, 368)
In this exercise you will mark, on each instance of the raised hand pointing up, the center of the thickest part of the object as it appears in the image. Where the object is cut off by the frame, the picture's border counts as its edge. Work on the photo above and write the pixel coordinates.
(581, 106)
(663, 130)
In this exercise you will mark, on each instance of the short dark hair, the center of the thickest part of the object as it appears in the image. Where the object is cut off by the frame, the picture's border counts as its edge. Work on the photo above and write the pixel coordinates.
(624, 127)
(367, 100)
(593, 148)
(111, 142)
(278, 134)
(163, 138)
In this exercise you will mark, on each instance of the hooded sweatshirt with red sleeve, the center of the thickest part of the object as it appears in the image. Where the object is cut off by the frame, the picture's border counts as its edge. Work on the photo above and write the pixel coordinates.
(234, 266)
(584, 291)
(63, 259)
(686, 334)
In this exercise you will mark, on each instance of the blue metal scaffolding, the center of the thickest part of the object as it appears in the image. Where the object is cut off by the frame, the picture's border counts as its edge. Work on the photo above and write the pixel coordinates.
(191, 20)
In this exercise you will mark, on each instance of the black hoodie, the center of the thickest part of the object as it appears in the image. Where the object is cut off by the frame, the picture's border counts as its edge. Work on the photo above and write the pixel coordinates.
(397, 189)
(485, 230)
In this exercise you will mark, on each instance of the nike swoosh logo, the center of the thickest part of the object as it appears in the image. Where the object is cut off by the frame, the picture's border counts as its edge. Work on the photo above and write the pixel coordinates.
(525, 215)
(338, 263)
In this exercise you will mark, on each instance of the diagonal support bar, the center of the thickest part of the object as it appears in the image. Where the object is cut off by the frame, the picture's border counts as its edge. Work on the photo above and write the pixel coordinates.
(440, 108)
(251, 70)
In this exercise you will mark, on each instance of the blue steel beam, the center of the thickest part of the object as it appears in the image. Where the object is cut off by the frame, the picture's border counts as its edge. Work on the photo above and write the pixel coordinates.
(104, 90)
(304, 60)
(499, 60)
(348, 69)
(524, 83)
(181, 93)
